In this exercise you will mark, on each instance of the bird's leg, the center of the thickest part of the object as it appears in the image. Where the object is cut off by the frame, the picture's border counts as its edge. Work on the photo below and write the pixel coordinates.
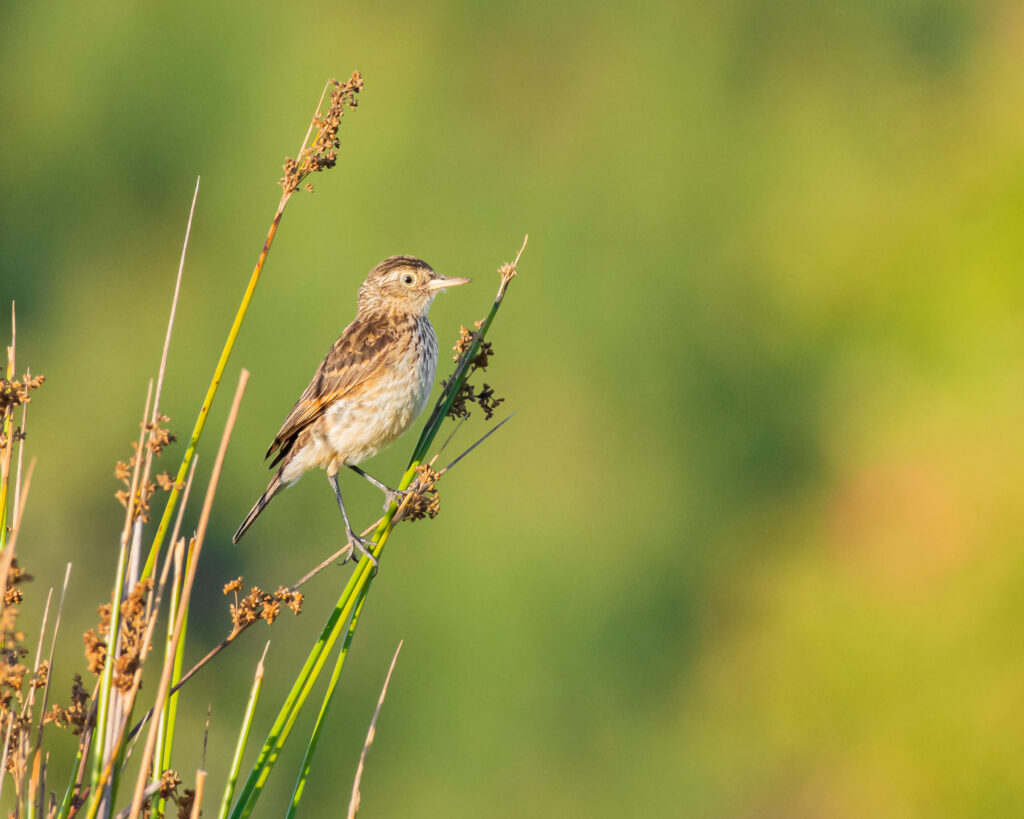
(359, 543)
(390, 494)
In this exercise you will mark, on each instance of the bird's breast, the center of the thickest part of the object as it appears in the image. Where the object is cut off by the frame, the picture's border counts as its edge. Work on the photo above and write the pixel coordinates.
(359, 425)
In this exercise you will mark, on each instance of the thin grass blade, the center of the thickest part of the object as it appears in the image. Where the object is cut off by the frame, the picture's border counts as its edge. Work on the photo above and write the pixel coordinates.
(243, 737)
(307, 761)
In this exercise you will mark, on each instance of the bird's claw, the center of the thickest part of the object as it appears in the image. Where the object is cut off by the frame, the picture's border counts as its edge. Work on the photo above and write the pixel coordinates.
(364, 546)
(395, 496)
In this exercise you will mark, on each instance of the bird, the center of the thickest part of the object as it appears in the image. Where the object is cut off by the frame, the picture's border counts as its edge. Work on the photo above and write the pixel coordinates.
(371, 386)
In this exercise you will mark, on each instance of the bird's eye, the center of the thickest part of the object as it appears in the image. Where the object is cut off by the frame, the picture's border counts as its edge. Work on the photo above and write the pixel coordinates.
(408, 278)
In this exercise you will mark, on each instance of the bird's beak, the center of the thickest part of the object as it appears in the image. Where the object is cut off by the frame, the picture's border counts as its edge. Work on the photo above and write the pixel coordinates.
(442, 282)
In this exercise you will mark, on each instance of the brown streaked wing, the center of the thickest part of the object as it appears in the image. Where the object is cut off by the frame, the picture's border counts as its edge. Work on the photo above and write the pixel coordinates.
(352, 361)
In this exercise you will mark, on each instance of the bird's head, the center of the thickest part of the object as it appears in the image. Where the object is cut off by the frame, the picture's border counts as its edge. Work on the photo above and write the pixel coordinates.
(403, 284)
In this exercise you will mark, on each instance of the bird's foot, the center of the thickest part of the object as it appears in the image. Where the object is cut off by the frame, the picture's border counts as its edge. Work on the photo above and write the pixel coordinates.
(395, 496)
(362, 545)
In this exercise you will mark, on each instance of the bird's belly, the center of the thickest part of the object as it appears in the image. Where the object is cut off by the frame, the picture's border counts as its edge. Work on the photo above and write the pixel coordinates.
(359, 426)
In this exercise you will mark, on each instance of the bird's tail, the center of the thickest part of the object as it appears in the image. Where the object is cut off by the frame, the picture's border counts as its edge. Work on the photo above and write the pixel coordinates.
(276, 485)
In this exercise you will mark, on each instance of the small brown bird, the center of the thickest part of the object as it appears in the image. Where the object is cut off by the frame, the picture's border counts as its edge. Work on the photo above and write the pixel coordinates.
(371, 386)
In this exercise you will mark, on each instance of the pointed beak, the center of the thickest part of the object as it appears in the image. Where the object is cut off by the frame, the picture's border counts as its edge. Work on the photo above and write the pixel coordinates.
(443, 282)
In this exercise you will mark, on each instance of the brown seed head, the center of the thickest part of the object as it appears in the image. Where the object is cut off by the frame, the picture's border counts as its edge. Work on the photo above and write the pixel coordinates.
(322, 153)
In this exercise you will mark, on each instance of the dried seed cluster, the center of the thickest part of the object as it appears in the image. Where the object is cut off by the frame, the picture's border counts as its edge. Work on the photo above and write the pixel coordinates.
(12, 673)
(12, 652)
(75, 715)
(424, 502)
(259, 605)
(15, 577)
(13, 393)
(323, 152)
(159, 438)
(12, 670)
(169, 784)
(95, 641)
(133, 634)
(467, 393)
(132, 631)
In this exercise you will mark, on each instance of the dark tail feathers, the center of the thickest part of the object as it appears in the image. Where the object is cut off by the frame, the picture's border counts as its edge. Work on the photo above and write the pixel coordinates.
(276, 485)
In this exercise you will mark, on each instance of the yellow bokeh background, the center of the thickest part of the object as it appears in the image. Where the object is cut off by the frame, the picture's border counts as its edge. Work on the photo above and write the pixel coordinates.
(751, 545)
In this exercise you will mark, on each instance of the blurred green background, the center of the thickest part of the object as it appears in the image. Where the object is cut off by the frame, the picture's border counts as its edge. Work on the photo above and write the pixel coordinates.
(750, 547)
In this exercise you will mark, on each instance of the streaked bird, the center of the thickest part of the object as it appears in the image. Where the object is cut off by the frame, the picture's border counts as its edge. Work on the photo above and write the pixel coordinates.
(368, 390)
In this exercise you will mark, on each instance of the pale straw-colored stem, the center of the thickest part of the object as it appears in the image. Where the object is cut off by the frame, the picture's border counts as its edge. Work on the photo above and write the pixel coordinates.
(204, 520)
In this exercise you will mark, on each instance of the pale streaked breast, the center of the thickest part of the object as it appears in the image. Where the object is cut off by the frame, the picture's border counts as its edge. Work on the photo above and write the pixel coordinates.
(357, 427)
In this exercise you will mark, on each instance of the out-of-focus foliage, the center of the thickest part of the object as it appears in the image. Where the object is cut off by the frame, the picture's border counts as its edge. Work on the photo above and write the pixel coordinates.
(752, 545)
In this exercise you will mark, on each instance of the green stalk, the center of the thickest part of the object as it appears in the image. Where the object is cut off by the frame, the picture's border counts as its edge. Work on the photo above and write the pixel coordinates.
(65, 803)
(297, 697)
(172, 618)
(243, 738)
(211, 392)
(307, 761)
(9, 447)
(358, 585)
(171, 710)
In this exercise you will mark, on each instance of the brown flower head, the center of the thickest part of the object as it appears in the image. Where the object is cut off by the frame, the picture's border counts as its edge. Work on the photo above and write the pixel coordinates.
(259, 605)
(13, 392)
(467, 393)
(424, 502)
(322, 153)
(75, 715)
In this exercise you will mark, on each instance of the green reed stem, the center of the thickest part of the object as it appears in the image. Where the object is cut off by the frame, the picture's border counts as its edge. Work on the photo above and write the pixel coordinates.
(211, 392)
(243, 738)
(307, 760)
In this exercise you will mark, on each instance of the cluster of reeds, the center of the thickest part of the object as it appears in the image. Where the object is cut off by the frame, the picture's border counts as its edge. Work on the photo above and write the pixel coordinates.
(124, 764)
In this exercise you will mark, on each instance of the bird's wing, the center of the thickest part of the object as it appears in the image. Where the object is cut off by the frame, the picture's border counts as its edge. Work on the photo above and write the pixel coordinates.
(353, 362)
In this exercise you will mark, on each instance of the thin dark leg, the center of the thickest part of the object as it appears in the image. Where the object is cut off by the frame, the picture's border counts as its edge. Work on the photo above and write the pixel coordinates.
(359, 543)
(390, 495)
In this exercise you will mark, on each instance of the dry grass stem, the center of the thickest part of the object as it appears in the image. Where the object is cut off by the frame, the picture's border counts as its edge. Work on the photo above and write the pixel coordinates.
(508, 271)
(353, 804)
(204, 520)
(49, 662)
(7, 560)
(197, 797)
(174, 307)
